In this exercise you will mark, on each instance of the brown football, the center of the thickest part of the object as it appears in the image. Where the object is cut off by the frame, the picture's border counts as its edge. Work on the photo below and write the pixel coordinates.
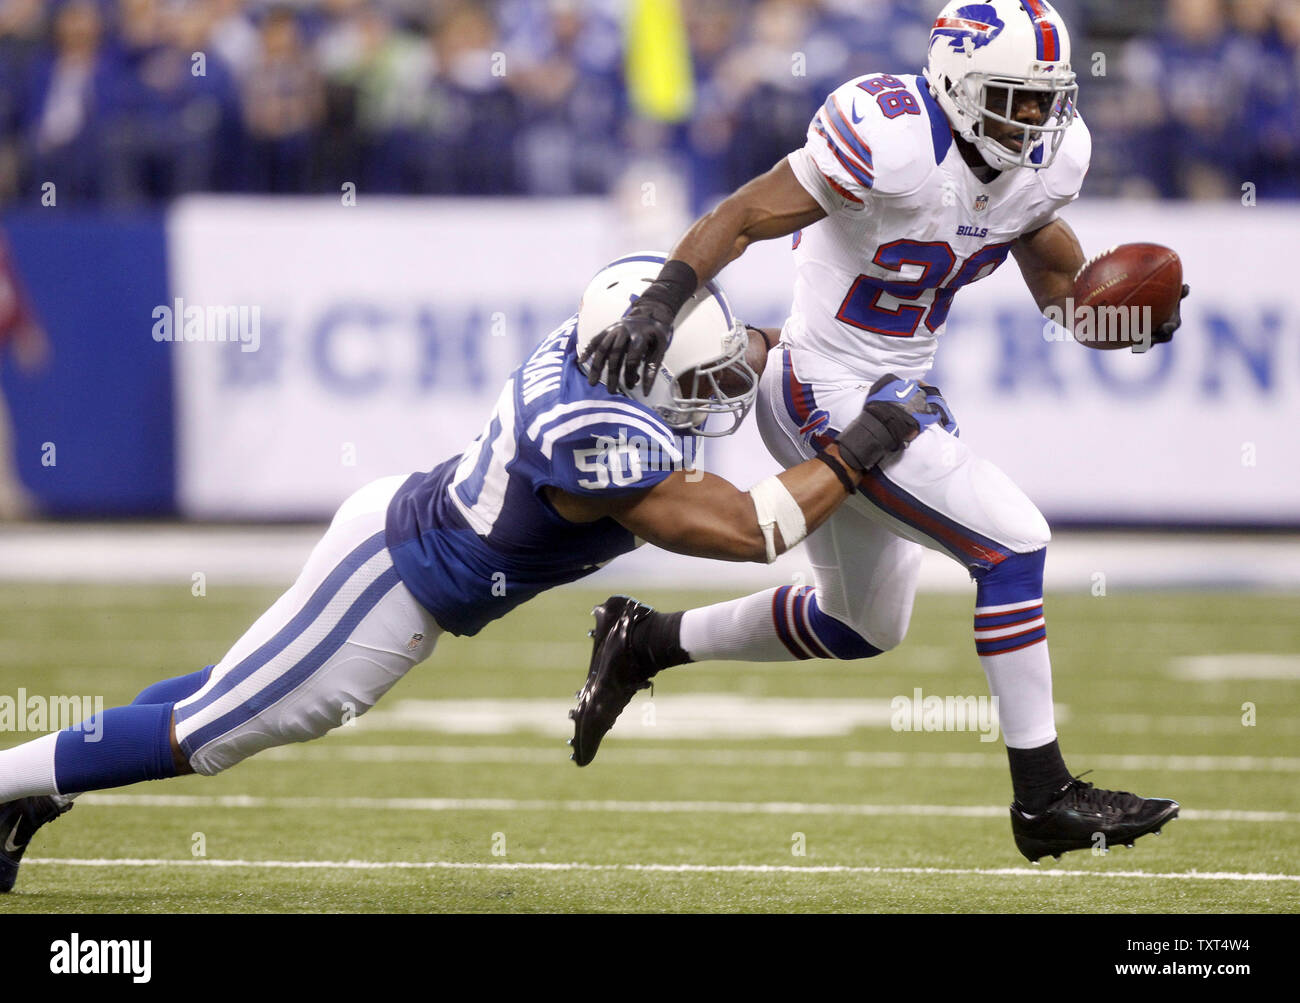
(1113, 290)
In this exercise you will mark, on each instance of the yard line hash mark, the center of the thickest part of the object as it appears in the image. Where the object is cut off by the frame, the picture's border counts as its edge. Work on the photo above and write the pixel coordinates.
(646, 807)
(378, 865)
(545, 756)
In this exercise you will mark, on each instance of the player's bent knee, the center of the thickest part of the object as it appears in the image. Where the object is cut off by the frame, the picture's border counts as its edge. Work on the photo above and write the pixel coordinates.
(1036, 534)
(1015, 520)
(886, 634)
(311, 716)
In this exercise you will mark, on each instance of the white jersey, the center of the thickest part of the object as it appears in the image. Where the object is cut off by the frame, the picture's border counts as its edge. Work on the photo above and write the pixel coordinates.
(907, 225)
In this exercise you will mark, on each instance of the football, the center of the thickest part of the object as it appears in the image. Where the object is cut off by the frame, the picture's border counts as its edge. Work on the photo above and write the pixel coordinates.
(1123, 294)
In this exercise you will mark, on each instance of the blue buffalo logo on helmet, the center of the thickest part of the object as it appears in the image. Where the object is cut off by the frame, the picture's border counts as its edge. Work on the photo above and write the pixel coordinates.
(974, 25)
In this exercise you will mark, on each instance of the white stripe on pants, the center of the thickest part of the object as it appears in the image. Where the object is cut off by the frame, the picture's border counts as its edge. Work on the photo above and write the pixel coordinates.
(324, 653)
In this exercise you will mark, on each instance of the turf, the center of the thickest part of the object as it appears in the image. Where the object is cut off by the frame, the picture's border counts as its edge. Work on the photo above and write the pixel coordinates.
(652, 808)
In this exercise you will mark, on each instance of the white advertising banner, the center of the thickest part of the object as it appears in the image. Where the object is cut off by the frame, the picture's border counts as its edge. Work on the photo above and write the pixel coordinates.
(385, 331)
(374, 339)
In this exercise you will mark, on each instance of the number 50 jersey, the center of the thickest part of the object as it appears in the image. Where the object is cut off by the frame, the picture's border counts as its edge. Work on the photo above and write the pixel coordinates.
(475, 537)
(908, 223)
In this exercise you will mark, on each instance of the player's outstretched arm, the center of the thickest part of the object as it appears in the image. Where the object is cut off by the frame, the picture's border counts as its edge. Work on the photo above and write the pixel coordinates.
(710, 517)
(1049, 259)
(706, 516)
(772, 205)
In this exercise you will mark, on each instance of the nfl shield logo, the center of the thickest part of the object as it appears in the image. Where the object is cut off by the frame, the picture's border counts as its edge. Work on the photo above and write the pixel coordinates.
(981, 203)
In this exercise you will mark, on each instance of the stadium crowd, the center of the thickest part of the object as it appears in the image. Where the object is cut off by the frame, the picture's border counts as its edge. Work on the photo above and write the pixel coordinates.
(127, 102)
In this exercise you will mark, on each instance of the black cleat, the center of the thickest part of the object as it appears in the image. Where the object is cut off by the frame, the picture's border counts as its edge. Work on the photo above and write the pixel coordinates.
(19, 821)
(613, 678)
(1083, 817)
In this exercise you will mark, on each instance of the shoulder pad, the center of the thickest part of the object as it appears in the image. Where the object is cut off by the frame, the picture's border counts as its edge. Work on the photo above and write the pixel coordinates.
(606, 451)
(906, 145)
(1064, 178)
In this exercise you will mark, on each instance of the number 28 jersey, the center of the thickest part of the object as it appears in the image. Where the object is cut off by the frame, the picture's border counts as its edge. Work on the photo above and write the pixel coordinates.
(907, 225)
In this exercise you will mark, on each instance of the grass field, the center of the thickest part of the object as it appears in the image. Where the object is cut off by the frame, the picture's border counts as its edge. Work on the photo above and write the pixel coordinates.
(698, 795)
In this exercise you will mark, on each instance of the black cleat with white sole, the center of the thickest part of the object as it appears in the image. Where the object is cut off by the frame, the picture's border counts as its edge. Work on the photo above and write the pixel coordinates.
(614, 677)
(19, 821)
(1084, 817)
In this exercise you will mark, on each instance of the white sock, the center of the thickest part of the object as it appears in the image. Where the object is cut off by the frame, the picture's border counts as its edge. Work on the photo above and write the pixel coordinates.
(1013, 651)
(741, 629)
(28, 769)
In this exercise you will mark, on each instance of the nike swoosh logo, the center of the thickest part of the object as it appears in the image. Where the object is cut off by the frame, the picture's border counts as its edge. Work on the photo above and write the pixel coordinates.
(853, 113)
(10, 845)
(905, 392)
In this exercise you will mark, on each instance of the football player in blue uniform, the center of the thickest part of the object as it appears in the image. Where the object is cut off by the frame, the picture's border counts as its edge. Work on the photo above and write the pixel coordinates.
(908, 188)
(564, 477)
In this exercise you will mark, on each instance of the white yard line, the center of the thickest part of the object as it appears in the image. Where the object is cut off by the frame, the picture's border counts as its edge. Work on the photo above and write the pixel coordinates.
(379, 865)
(639, 807)
(169, 553)
(798, 758)
(1236, 665)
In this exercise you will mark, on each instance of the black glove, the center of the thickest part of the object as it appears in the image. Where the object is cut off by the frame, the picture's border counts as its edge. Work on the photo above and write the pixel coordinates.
(1165, 332)
(888, 422)
(633, 346)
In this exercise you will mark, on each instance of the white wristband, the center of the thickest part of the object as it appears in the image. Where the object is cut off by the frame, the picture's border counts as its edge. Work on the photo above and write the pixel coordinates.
(776, 506)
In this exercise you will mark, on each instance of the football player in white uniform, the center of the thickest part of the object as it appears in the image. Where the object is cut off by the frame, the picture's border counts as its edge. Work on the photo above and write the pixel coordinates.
(908, 188)
(564, 477)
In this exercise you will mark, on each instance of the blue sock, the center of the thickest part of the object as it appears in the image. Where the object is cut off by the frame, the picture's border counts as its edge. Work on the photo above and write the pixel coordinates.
(174, 690)
(123, 745)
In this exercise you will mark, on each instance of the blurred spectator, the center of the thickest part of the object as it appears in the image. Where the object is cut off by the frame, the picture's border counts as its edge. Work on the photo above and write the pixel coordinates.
(776, 81)
(233, 36)
(70, 97)
(1196, 85)
(376, 74)
(1263, 54)
(530, 97)
(177, 114)
(283, 103)
(466, 143)
(566, 76)
(22, 43)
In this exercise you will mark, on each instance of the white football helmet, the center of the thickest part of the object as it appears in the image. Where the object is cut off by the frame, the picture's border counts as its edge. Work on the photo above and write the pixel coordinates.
(704, 372)
(1000, 50)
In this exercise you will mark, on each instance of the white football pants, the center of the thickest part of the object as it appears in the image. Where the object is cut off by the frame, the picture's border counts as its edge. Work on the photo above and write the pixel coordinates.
(936, 493)
(324, 653)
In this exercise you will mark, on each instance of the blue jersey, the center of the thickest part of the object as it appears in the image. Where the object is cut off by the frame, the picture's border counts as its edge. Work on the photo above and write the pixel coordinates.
(475, 537)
